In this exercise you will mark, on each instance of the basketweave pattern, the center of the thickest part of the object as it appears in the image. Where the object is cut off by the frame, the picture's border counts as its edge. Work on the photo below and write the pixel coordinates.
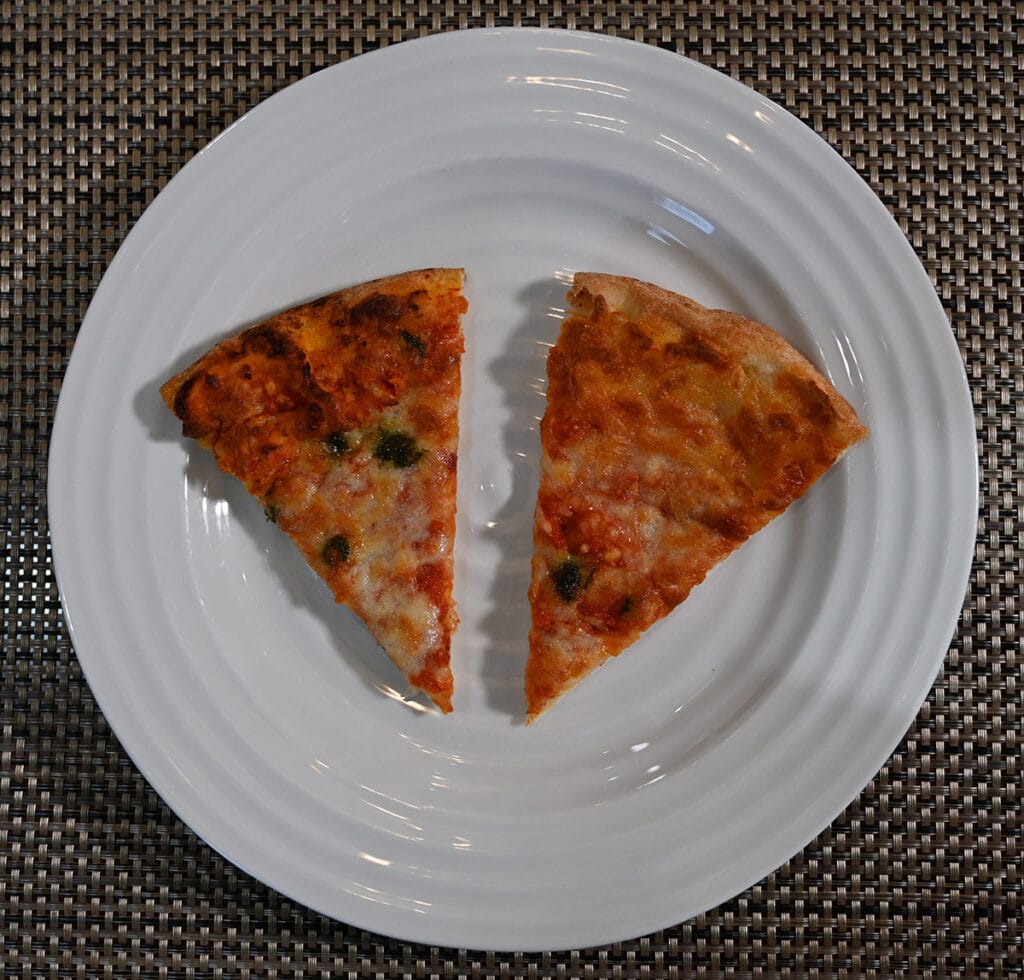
(101, 103)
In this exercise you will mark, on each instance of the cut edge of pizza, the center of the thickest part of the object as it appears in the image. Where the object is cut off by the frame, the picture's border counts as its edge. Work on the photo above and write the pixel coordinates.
(672, 433)
(341, 417)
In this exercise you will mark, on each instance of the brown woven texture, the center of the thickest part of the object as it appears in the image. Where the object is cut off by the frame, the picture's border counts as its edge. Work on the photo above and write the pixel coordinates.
(100, 104)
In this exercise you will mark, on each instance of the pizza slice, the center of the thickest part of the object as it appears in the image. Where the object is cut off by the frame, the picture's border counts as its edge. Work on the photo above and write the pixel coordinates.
(672, 433)
(341, 417)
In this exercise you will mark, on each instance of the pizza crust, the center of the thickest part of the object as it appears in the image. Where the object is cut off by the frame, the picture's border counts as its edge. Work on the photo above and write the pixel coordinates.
(341, 417)
(672, 433)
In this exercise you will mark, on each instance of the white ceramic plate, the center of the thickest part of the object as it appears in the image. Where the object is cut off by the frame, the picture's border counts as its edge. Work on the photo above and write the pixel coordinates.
(679, 774)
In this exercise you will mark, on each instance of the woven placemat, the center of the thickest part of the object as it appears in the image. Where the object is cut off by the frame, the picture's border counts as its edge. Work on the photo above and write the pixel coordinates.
(101, 103)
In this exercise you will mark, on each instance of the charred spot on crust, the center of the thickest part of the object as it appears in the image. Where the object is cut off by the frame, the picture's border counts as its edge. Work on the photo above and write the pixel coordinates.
(268, 340)
(181, 398)
(192, 426)
(335, 550)
(272, 512)
(627, 606)
(378, 307)
(416, 343)
(315, 416)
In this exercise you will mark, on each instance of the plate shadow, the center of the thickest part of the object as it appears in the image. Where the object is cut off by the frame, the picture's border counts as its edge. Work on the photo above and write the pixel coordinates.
(520, 373)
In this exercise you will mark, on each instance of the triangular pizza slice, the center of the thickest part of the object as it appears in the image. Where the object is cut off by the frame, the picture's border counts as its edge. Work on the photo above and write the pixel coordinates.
(341, 417)
(672, 433)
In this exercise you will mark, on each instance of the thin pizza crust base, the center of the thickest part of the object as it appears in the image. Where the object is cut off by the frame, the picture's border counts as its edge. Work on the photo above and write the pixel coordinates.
(341, 417)
(672, 434)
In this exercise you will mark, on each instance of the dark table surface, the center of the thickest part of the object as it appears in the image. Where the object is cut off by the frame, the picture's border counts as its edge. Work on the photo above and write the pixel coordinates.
(101, 104)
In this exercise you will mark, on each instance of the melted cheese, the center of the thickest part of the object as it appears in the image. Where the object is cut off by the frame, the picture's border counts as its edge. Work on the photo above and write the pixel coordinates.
(672, 433)
(341, 416)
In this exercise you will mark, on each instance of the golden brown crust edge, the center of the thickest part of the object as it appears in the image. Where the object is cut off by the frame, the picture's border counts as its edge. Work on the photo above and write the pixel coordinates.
(402, 283)
(650, 304)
